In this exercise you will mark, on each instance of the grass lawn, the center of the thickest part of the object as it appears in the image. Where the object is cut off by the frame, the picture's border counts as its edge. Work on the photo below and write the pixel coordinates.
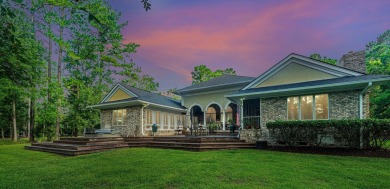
(161, 168)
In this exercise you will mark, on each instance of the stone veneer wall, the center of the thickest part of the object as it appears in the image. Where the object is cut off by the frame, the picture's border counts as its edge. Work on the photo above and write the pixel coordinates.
(106, 119)
(345, 105)
(342, 105)
(132, 122)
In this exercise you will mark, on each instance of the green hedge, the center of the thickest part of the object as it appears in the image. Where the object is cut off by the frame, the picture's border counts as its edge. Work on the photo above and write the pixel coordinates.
(374, 133)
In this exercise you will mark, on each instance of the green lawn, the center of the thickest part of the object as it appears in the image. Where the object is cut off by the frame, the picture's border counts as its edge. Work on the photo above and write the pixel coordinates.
(160, 168)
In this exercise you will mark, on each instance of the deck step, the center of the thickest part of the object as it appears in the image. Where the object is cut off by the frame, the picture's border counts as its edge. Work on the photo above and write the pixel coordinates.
(76, 146)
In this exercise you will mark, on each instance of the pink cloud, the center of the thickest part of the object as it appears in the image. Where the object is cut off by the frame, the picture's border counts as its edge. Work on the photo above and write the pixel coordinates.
(249, 38)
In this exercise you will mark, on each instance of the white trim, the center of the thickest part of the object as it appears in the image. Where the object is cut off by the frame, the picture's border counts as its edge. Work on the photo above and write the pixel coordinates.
(115, 103)
(308, 62)
(309, 87)
(212, 86)
(213, 102)
(142, 119)
(361, 115)
(195, 104)
(167, 107)
(230, 102)
(115, 89)
(212, 92)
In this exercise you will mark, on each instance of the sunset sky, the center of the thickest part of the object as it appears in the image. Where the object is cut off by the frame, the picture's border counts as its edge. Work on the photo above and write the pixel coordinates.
(249, 36)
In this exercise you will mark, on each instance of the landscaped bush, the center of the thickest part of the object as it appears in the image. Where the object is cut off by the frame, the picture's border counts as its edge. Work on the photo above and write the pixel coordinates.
(373, 133)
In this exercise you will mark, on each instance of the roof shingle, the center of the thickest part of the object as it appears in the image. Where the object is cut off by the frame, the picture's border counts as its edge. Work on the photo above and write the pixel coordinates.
(226, 79)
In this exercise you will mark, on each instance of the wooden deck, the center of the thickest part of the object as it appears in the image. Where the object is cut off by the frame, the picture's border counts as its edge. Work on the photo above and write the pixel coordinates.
(72, 146)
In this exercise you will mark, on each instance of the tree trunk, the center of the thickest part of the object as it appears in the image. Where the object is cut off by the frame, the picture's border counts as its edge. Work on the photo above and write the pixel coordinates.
(49, 62)
(32, 120)
(2, 133)
(29, 118)
(59, 77)
(15, 133)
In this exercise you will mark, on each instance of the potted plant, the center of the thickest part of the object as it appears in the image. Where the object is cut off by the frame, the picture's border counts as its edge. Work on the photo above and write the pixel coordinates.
(212, 127)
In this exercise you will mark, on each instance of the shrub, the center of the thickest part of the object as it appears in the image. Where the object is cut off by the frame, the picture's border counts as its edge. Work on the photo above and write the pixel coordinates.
(373, 133)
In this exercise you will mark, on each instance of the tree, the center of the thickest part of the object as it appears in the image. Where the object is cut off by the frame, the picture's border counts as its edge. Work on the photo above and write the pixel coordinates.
(378, 62)
(325, 59)
(202, 73)
(21, 59)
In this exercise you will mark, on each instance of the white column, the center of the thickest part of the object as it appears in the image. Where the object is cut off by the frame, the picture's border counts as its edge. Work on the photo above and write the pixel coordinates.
(204, 118)
(242, 116)
(223, 120)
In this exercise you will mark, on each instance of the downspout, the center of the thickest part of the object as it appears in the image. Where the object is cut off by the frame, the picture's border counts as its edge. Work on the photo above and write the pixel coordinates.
(142, 118)
(361, 114)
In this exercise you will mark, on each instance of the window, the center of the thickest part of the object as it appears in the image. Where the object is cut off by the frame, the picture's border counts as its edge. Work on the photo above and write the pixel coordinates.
(172, 123)
(158, 118)
(306, 107)
(119, 117)
(165, 118)
(310, 107)
(292, 108)
(148, 116)
(322, 106)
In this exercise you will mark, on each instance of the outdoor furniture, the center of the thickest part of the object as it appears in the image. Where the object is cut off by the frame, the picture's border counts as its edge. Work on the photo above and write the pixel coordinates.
(179, 131)
(104, 131)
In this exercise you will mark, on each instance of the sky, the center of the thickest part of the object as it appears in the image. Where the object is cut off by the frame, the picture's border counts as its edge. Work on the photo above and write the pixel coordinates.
(247, 35)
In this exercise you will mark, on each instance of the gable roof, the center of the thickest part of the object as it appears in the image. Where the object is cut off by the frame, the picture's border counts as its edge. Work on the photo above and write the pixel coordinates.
(223, 80)
(336, 84)
(337, 71)
(141, 96)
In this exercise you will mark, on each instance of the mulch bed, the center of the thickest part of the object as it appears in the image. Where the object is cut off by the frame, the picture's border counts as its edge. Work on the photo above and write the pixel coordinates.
(333, 151)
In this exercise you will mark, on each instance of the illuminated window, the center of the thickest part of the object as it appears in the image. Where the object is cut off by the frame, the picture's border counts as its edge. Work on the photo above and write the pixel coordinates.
(306, 107)
(148, 116)
(292, 108)
(322, 106)
(310, 107)
(119, 117)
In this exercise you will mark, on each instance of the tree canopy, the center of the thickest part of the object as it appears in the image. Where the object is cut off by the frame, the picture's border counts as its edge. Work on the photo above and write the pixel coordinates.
(378, 62)
(325, 59)
(57, 58)
(202, 73)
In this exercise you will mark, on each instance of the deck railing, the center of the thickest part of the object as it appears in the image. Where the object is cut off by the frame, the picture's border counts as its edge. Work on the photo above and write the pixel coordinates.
(251, 122)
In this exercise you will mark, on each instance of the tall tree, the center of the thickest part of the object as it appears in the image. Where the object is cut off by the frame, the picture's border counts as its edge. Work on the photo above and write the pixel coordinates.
(21, 57)
(202, 73)
(325, 59)
(378, 62)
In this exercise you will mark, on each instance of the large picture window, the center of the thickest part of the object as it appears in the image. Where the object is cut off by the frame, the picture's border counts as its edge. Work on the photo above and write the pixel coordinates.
(310, 107)
(322, 106)
(119, 117)
(292, 108)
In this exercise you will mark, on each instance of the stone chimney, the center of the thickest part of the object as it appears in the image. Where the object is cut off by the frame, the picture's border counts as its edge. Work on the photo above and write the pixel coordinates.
(354, 61)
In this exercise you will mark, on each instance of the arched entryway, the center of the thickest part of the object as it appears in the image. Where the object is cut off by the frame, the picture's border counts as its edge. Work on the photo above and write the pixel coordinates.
(215, 114)
(196, 116)
(231, 114)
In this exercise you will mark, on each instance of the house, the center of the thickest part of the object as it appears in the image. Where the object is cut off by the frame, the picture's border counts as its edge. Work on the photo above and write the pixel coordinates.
(296, 88)
(130, 111)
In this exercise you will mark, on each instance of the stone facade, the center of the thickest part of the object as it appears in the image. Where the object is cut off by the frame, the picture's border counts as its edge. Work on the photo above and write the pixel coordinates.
(272, 109)
(251, 135)
(342, 105)
(132, 125)
(354, 61)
